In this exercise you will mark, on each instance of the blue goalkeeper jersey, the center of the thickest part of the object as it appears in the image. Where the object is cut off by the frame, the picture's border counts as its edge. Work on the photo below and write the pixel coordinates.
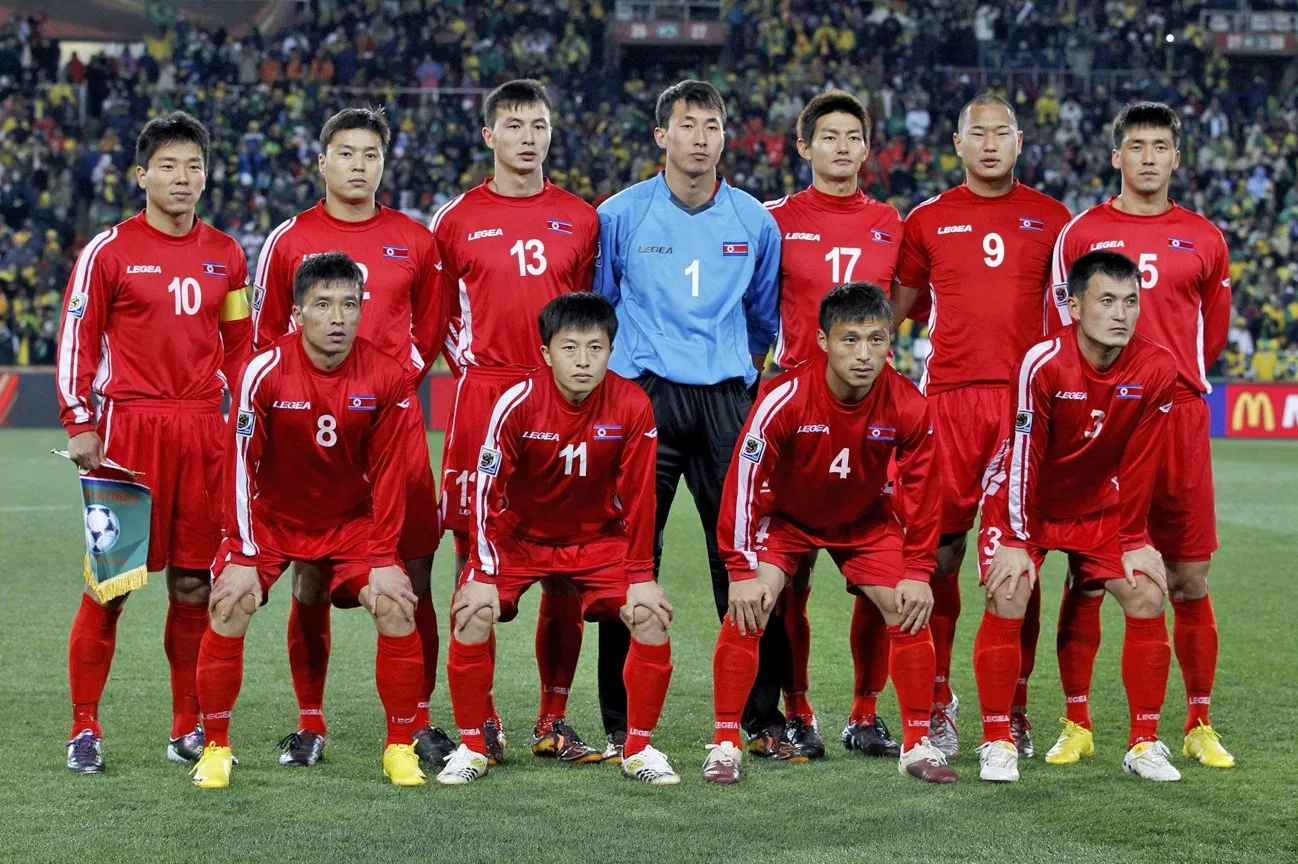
(696, 291)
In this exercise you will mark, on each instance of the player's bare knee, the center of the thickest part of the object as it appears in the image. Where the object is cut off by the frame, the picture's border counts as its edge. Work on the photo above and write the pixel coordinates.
(1015, 606)
(1143, 601)
(476, 627)
(189, 585)
(310, 590)
(646, 627)
(389, 619)
(1187, 581)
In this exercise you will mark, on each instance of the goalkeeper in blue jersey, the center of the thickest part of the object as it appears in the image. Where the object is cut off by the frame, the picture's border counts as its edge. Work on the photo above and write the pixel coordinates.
(691, 265)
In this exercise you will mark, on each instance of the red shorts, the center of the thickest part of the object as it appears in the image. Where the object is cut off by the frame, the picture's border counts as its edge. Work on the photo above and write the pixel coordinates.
(868, 553)
(601, 584)
(421, 529)
(1091, 542)
(967, 427)
(341, 554)
(178, 447)
(476, 394)
(1183, 513)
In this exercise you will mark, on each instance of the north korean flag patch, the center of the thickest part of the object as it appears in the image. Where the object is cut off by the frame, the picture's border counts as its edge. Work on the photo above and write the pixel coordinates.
(1180, 244)
(489, 461)
(730, 250)
(1130, 391)
(752, 448)
(880, 236)
(559, 225)
(399, 253)
(1027, 223)
(607, 432)
(881, 433)
(215, 268)
(362, 403)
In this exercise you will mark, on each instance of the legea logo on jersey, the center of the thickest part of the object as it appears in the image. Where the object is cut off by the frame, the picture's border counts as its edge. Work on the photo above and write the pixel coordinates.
(215, 268)
(1131, 391)
(1179, 243)
(398, 253)
(955, 229)
(486, 232)
(752, 448)
(245, 423)
(881, 433)
(144, 268)
(1027, 223)
(801, 235)
(880, 236)
(734, 250)
(292, 406)
(608, 432)
(559, 225)
(489, 461)
(1023, 421)
(77, 305)
(1107, 244)
(1075, 395)
(814, 428)
(362, 403)
(655, 250)
(541, 436)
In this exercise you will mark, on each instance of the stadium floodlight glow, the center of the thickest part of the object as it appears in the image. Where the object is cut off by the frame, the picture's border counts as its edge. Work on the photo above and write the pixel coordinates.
(1171, 38)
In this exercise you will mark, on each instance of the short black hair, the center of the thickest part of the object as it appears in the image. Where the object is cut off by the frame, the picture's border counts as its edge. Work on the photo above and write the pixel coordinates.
(580, 311)
(700, 94)
(512, 94)
(357, 118)
(853, 303)
(1112, 264)
(173, 128)
(832, 102)
(325, 267)
(1157, 115)
(980, 100)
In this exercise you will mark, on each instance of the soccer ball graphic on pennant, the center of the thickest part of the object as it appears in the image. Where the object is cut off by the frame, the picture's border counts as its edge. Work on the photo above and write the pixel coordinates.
(102, 529)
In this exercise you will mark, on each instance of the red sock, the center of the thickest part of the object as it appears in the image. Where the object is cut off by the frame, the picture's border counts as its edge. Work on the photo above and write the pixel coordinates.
(429, 643)
(946, 609)
(996, 664)
(491, 690)
(1146, 661)
(469, 672)
(870, 647)
(181, 636)
(646, 674)
(558, 647)
(219, 677)
(90, 654)
(734, 669)
(399, 677)
(1194, 632)
(1077, 644)
(911, 659)
(797, 624)
(1028, 636)
(308, 661)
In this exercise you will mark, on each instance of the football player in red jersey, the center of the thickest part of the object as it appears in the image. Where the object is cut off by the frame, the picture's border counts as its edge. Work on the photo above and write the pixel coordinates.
(155, 323)
(811, 472)
(566, 490)
(507, 248)
(832, 233)
(1089, 417)
(315, 471)
(981, 254)
(403, 308)
(1185, 271)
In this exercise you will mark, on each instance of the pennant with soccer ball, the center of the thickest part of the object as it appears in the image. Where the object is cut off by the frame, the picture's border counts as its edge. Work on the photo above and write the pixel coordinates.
(117, 514)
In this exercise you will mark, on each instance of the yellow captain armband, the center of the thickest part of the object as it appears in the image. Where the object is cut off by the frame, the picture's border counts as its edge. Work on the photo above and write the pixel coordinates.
(236, 305)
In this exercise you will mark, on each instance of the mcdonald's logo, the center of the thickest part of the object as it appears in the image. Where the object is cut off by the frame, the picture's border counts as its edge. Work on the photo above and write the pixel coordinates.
(1252, 410)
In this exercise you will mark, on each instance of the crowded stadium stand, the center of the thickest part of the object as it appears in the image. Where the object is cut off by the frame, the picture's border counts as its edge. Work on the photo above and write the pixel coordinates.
(70, 108)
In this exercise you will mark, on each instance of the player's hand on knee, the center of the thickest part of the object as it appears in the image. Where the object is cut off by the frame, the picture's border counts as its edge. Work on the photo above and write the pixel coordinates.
(391, 582)
(1008, 564)
(472, 599)
(236, 582)
(750, 599)
(86, 451)
(914, 604)
(1144, 560)
(651, 597)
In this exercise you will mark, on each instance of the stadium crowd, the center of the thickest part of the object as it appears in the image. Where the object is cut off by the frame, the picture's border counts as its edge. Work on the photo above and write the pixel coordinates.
(67, 128)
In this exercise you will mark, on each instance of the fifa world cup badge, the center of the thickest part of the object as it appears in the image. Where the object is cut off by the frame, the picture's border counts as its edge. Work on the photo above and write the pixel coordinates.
(489, 461)
(1023, 421)
(752, 448)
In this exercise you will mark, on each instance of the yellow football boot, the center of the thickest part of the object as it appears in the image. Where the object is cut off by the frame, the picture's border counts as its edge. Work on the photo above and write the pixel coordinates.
(1203, 743)
(401, 765)
(213, 768)
(1075, 743)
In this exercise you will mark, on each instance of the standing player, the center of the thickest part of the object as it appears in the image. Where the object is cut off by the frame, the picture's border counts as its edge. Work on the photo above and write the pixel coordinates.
(1185, 271)
(155, 322)
(566, 489)
(315, 471)
(398, 261)
(1089, 417)
(812, 473)
(981, 253)
(507, 248)
(832, 233)
(692, 266)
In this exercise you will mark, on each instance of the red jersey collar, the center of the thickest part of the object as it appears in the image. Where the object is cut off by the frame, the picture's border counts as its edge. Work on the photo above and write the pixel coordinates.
(510, 201)
(311, 368)
(1172, 207)
(839, 203)
(183, 240)
(343, 225)
(970, 195)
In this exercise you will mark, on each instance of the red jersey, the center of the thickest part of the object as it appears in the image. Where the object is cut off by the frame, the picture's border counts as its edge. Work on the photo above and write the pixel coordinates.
(502, 260)
(311, 449)
(985, 263)
(828, 240)
(401, 307)
(560, 474)
(1083, 441)
(151, 316)
(1185, 267)
(826, 466)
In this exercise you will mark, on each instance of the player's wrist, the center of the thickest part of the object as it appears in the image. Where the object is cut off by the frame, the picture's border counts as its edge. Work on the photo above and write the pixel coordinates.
(917, 575)
(743, 575)
(639, 577)
(387, 559)
(75, 429)
(1131, 544)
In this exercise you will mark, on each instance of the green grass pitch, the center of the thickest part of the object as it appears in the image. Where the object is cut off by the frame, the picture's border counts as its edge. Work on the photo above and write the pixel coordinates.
(846, 808)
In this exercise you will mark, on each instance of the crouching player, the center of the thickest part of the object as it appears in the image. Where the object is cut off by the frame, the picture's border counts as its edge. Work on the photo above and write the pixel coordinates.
(811, 472)
(1090, 409)
(566, 490)
(315, 472)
